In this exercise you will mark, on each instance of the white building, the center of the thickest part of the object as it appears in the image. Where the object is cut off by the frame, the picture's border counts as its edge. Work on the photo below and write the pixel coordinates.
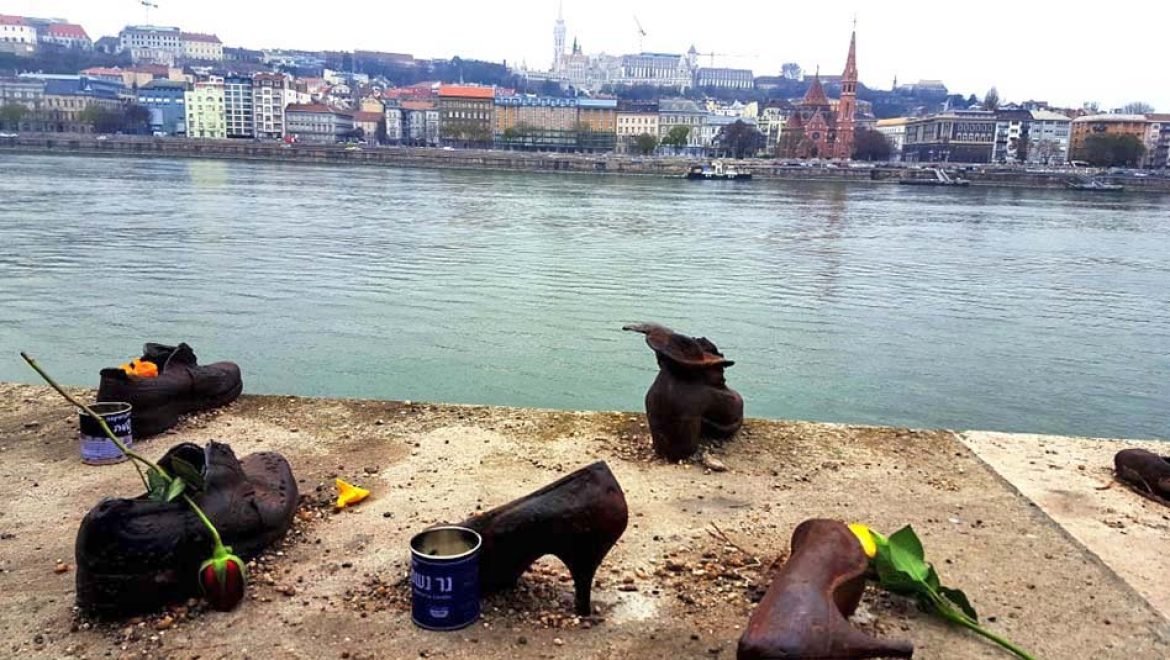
(201, 47)
(1048, 138)
(895, 132)
(17, 35)
(723, 78)
(238, 106)
(152, 44)
(318, 123)
(271, 94)
(393, 123)
(1012, 138)
(657, 69)
(67, 35)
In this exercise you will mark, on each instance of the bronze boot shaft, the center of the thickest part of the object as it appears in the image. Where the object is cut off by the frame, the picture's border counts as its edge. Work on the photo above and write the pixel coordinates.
(804, 613)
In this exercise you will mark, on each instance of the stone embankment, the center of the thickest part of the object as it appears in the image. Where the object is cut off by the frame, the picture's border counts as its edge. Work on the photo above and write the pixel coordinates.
(680, 584)
(481, 159)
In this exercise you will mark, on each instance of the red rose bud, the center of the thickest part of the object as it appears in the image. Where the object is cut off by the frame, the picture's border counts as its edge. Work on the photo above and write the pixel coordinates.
(223, 579)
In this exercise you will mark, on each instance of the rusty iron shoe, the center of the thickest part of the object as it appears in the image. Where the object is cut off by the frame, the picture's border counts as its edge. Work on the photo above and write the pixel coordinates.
(577, 519)
(1145, 472)
(136, 555)
(804, 612)
(689, 399)
(182, 386)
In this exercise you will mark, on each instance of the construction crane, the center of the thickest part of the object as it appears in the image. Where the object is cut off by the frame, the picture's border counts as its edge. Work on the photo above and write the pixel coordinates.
(641, 35)
(735, 55)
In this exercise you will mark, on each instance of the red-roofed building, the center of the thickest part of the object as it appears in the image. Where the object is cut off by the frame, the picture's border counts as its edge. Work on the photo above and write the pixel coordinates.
(465, 115)
(201, 47)
(68, 35)
(17, 35)
(368, 122)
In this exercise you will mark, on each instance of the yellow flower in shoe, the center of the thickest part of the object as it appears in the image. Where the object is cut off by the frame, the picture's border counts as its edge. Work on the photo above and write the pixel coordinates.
(865, 536)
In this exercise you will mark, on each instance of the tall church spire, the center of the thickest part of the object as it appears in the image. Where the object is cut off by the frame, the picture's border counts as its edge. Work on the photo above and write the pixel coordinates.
(851, 61)
(559, 41)
(847, 106)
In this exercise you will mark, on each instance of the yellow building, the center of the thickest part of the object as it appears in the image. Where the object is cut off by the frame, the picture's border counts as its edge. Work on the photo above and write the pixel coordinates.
(205, 110)
(633, 122)
(1083, 127)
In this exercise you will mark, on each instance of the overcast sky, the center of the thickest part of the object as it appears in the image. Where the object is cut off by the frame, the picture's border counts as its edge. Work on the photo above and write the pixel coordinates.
(1061, 52)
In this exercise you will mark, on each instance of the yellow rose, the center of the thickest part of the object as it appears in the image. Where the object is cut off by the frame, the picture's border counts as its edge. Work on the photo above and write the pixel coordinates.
(865, 536)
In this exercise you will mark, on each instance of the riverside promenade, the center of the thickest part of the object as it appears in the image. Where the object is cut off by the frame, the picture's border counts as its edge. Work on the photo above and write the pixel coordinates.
(1018, 522)
(484, 159)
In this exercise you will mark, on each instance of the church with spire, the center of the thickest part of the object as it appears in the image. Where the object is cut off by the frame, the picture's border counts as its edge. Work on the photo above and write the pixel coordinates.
(820, 128)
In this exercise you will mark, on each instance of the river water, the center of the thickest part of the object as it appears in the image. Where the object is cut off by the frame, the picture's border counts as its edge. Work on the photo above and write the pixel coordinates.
(1022, 310)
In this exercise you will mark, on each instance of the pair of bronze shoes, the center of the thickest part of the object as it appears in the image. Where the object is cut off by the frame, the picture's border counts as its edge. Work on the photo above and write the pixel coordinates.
(689, 399)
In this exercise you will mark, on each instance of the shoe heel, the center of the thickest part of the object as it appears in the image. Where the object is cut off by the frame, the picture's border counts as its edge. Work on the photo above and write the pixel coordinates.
(583, 567)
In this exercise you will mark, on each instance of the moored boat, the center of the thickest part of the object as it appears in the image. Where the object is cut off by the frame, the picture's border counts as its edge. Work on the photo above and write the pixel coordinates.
(1095, 185)
(717, 171)
(940, 178)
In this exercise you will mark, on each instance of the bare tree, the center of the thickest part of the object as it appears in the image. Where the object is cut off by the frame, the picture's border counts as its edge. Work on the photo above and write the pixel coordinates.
(1137, 108)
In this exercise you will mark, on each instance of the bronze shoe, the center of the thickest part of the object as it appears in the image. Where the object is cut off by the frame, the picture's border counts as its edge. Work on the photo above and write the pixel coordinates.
(804, 613)
(1145, 472)
(690, 398)
(577, 519)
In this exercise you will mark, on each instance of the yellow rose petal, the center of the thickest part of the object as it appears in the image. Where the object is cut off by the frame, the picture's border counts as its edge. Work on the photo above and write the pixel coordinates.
(865, 536)
(348, 494)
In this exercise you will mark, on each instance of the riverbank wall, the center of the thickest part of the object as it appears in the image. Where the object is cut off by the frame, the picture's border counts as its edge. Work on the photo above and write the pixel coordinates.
(681, 583)
(481, 159)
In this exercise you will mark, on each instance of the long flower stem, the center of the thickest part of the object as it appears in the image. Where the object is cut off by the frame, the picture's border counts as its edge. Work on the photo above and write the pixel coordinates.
(961, 619)
(206, 523)
(101, 422)
(219, 548)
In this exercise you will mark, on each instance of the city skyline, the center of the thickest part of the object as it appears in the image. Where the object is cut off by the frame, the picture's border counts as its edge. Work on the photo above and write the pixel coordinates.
(1046, 64)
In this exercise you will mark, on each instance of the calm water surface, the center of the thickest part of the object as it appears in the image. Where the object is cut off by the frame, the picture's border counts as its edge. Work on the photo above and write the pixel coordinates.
(991, 309)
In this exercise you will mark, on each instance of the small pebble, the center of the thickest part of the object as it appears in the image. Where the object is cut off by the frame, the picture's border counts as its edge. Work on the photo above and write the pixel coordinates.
(61, 567)
(558, 641)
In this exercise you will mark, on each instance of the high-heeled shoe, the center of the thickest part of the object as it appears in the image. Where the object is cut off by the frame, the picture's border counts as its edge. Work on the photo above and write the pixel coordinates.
(577, 519)
(804, 613)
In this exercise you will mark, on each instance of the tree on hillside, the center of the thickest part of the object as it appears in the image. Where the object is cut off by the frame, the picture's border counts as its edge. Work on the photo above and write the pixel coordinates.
(645, 144)
(871, 145)
(677, 137)
(1112, 151)
(991, 99)
(740, 140)
(1137, 108)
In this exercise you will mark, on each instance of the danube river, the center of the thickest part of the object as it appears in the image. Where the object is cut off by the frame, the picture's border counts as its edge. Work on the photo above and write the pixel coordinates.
(1021, 310)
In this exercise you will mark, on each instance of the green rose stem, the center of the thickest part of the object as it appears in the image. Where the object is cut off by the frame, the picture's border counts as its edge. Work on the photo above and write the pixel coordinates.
(219, 549)
(947, 611)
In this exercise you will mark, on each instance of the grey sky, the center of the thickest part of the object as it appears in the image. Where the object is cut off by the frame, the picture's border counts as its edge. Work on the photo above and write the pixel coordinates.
(1061, 52)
